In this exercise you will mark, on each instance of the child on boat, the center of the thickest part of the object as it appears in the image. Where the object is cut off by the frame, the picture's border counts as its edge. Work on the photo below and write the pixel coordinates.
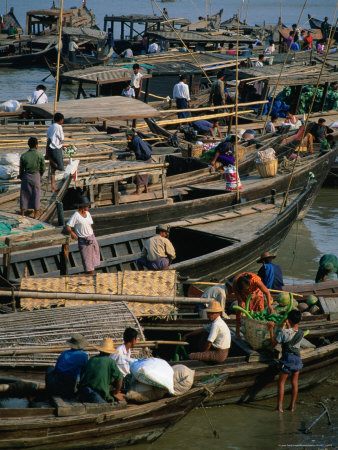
(290, 362)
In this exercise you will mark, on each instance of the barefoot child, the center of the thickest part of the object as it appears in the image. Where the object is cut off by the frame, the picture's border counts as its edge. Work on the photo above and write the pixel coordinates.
(290, 362)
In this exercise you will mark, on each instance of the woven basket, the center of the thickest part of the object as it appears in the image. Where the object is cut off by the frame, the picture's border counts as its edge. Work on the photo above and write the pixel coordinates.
(196, 151)
(267, 169)
(240, 151)
(256, 332)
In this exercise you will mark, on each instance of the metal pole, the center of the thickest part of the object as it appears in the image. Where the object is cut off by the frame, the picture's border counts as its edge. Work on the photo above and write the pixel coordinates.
(58, 58)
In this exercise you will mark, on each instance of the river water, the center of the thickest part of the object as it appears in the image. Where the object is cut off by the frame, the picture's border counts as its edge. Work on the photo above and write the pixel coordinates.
(253, 426)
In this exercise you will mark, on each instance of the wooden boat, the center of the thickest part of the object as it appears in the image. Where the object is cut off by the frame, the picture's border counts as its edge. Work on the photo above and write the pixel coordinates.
(198, 192)
(212, 22)
(317, 23)
(74, 425)
(221, 243)
(24, 53)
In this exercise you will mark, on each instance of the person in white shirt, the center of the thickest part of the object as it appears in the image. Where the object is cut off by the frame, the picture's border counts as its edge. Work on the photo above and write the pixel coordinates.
(128, 91)
(79, 226)
(218, 341)
(136, 81)
(182, 96)
(39, 96)
(153, 47)
(271, 125)
(55, 138)
(127, 53)
(260, 61)
(269, 51)
(72, 47)
(123, 357)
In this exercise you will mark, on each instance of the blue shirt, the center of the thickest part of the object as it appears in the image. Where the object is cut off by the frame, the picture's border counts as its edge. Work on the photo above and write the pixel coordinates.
(202, 125)
(272, 276)
(71, 364)
(140, 148)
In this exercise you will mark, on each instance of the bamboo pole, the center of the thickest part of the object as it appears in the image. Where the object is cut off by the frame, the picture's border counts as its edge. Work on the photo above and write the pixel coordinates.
(100, 297)
(236, 115)
(208, 108)
(16, 351)
(183, 43)
(281, 71)
(246, 13)
(332, 32)
(206, 117)
(58, 57)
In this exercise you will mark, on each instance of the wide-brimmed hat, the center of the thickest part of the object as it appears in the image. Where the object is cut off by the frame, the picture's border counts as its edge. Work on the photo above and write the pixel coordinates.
(162, 227)
(264, 256)
(107, 346)
(83, 201)
(130, 132)
(214, 307)
(77, 342)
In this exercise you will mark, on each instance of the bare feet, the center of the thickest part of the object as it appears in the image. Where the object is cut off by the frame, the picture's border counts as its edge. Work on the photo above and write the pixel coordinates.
(146, 190)
(138, 192)
(55, 190)
(291, 408)
(279, 410)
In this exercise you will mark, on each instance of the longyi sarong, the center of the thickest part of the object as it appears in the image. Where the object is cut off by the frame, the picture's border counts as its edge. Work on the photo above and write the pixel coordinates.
(90, 252)
(30, 191)
(216, 355)
(182, 103)
(142, 180)
(55, 157)
(159, 264)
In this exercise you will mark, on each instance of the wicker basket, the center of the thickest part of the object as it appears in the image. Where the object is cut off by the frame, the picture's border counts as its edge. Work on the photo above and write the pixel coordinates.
(267, 169)
(196, 151)
(256, 332)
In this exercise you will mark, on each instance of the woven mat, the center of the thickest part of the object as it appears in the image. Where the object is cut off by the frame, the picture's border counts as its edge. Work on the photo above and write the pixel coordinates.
(161, 283)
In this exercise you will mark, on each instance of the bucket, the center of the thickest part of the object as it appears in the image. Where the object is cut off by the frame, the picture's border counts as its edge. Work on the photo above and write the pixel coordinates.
(267, 169)
(231, 179)
(256, 332)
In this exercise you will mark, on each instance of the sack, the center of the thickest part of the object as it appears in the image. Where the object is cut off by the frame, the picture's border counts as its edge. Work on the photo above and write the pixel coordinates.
(265, 155)
(11, 159)
(183, 379)
(7, 172)
(154, 371)
(143, 393)
(10, 106)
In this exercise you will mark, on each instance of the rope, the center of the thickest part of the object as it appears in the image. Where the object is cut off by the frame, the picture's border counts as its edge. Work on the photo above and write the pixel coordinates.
(286, 165)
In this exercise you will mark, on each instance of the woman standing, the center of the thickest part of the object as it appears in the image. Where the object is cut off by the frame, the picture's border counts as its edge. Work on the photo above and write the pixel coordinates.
(246, 284)
(142, 153)
(80, 228)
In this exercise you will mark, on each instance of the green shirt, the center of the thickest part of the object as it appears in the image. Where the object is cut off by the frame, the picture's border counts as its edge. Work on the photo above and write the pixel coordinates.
(32, 162)
(99, 373)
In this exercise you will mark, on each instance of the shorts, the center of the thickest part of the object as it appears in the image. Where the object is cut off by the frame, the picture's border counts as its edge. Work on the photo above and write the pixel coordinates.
(290, 363)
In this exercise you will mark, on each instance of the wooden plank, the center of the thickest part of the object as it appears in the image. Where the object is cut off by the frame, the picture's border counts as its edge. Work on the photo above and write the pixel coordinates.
(68, 408)
(330, 306)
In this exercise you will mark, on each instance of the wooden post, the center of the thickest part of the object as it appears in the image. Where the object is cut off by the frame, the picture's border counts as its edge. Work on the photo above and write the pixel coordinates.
(230, 124)
(323, 99)
(58, 87)
(134, 123)
(7, 259)
(298, 93)
(59, 90)
(64, 259)
(91, 195)
(164, 184)
(146, 95)
(122, 31)
(116, 194)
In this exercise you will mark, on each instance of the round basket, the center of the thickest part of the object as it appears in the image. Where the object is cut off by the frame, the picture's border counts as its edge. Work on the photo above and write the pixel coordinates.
(240, 151)
(196, 151)
(267, 169)
(256, 332)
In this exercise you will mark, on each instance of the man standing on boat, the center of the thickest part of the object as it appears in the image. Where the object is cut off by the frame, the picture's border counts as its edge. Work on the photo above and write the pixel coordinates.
(217, 95)
(325, 29)
(216, 347)
(32, 167)
(55, 138)
(270, 273)
(181, 95)
(79, 226)
(158, 252)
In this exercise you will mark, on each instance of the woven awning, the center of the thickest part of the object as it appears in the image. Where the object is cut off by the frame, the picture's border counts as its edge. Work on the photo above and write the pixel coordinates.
(161, 283)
